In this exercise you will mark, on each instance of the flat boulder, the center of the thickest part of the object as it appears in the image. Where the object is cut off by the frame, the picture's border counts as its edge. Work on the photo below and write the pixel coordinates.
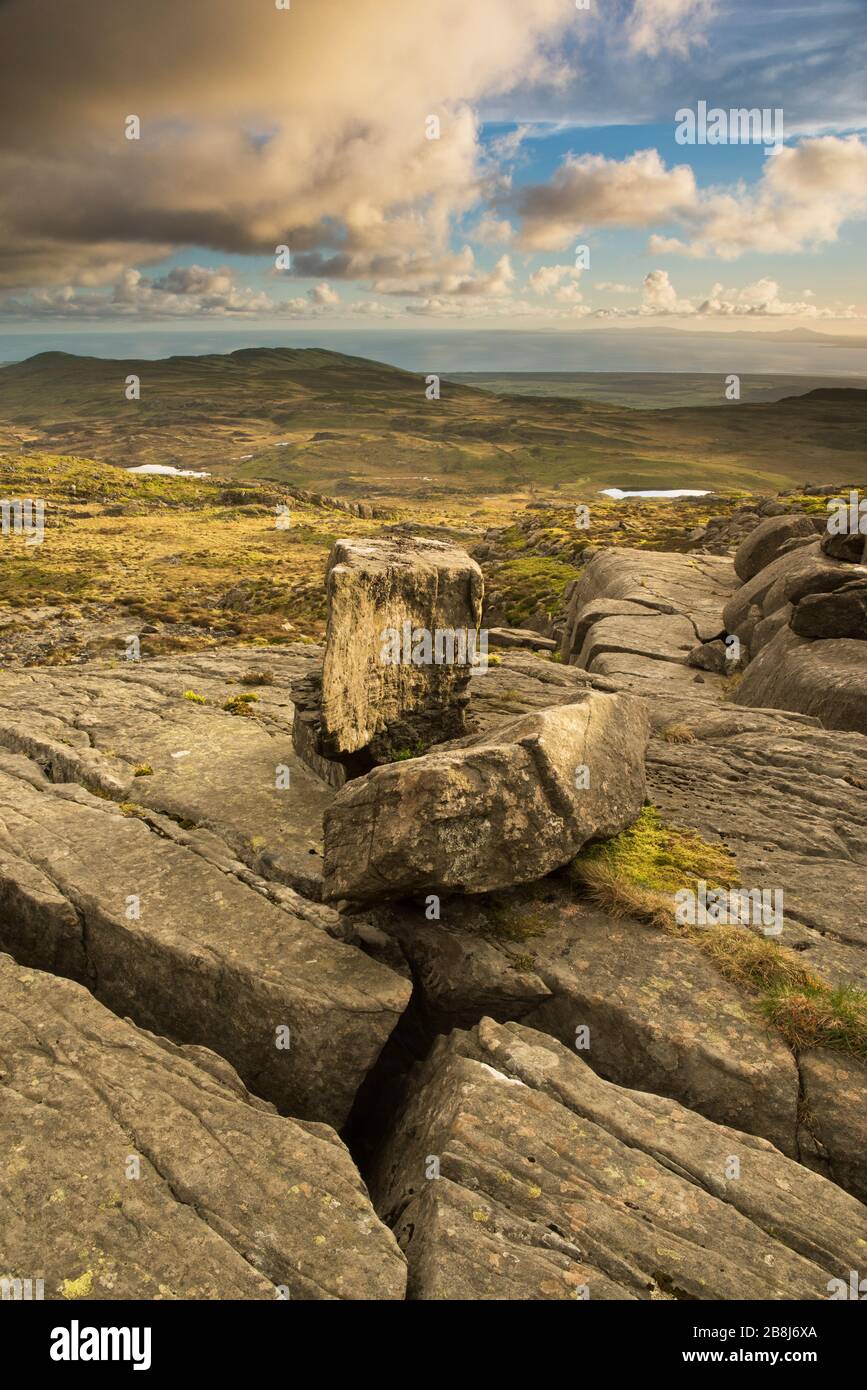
(137, 1169)
(499, 809)
(402, 615)
(552, 1183)
(842, 613)
(767, 542)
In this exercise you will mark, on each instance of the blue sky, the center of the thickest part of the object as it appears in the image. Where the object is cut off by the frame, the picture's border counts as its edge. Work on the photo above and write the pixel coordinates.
(312, 128)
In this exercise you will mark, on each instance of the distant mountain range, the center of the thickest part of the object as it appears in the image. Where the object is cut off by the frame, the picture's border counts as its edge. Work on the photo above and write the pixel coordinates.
(317, 418)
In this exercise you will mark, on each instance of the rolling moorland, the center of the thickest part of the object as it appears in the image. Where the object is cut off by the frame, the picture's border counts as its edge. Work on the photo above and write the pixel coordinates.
(159, 773)
(314, 419)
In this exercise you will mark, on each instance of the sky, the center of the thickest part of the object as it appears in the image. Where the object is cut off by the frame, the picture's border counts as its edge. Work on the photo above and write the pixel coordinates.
(396, 170)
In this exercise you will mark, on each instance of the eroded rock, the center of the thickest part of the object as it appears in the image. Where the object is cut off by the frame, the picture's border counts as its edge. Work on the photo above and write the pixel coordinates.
(552, 1183)
(398, 585)
(136, 1169)
(494, 811)
(766, 542)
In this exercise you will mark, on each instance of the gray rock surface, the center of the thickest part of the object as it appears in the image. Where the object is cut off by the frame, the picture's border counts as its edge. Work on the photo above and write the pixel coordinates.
(494, 811)
(554, 1184)
(135, 1169)
(635, 614)
(766, 542)
(825, 678)
(165, 926)
(208, 768)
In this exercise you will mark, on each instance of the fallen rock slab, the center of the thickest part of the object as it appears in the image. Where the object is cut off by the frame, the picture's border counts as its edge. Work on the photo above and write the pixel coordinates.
(136, 1169)
(551, 1183)
(495, 811)
(164, 931)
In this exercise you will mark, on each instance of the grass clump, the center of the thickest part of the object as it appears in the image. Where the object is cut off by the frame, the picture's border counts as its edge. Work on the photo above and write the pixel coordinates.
(194, 697)
(240, 704)
(142, 770)
(678, 733)
(813, 1015)
(253, 677)
(653, 855)
(511, 923)
(637, 873)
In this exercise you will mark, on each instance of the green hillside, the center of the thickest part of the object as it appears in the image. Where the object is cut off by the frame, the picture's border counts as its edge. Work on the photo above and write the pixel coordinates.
(322, 420)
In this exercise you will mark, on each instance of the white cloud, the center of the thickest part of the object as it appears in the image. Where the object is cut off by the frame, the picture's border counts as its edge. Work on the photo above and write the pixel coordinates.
(761, 299)
(805, 194)
(673, 25)
(593, 191)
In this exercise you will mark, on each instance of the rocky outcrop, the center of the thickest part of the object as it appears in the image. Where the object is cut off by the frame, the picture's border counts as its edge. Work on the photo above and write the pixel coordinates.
(842, 613)
(492, 812)
(636, 616)
(608, 1118)
(825, 678)
(136, 1169)
(398, 612)
(165, 926)
(801, 617)
(514, 1172)
(769, 540)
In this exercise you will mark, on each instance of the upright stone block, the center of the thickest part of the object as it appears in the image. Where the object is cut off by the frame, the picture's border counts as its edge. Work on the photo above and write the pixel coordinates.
(402, 618)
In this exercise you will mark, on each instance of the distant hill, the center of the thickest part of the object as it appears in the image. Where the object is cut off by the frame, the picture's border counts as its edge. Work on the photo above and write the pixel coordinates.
(335, 423)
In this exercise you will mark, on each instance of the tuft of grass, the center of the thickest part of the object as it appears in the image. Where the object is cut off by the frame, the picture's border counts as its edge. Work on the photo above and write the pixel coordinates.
(402, 755)
(240, 704)
(678, 733)
(636, 875)
(194, 697)
(253, 677)
(507, 922)
(653, 855)
(812, 1015)
(142, 770)
(524, 963)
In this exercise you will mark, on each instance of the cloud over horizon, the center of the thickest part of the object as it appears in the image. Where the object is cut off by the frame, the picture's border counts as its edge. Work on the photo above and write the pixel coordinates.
(310, 127)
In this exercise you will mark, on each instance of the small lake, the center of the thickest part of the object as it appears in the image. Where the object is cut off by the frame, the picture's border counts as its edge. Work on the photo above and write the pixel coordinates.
(619, 496)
